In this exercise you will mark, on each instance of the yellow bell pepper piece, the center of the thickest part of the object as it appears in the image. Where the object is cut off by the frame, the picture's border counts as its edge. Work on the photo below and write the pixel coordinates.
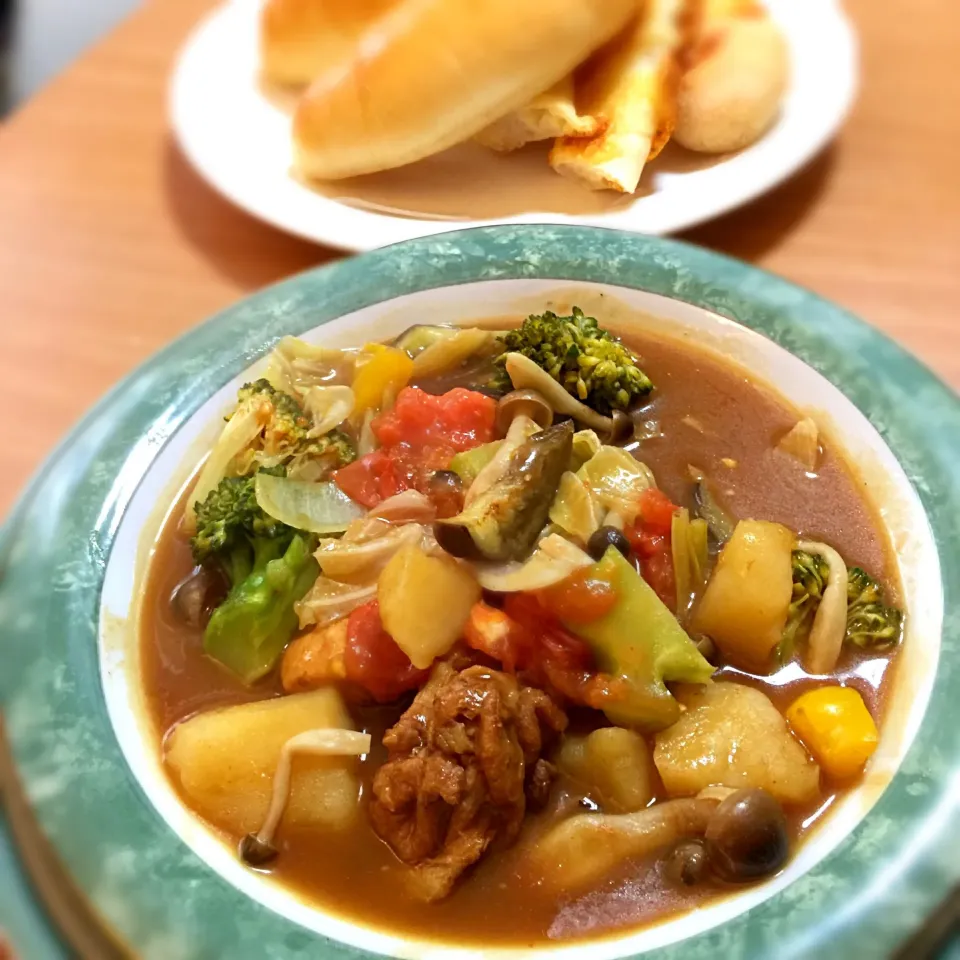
(382, 372)
(836, 727)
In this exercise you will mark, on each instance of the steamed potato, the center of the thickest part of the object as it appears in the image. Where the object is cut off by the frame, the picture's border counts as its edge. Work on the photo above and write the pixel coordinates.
(425, 602)
(744, 608)
(613, 765)
(225, 760)
(733, 736)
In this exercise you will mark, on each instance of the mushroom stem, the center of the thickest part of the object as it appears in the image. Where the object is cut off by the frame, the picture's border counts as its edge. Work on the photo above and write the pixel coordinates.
(321, 743)
(530, 403)
(587, 846)
(523, 372)
(830, 620)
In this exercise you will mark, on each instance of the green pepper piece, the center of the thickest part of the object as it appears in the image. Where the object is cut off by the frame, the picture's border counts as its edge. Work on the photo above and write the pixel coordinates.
(640, 641)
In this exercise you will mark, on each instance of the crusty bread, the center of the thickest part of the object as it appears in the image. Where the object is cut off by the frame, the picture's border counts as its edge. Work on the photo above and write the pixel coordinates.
(432, 73)
(630, 87)
(547, 116)
(738, 70)
(300, 38)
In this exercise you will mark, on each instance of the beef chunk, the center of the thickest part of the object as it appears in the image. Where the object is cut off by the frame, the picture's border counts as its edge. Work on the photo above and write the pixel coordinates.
(461, 761)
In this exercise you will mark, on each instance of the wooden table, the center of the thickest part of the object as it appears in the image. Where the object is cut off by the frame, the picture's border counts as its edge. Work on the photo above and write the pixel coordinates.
(110, 245)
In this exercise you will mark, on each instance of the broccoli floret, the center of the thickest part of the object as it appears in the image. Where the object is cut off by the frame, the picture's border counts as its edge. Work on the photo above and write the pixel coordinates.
(810, 573)
(588, 362)
(287, 428)
(268, 566)
(228, 520)
(862, 588)
(870, 623)
(335, 445)
(287, 424)
(248, 631)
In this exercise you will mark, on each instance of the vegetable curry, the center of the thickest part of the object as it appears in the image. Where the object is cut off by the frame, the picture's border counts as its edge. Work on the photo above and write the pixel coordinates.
(503, 637)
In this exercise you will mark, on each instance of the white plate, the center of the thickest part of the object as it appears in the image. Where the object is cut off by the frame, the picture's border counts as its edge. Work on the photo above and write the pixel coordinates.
(238, 137)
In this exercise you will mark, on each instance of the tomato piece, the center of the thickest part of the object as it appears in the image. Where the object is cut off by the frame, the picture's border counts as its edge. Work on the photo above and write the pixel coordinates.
(497, 635)
(528, 637)
(580, 598)
(460, 419)
(650, 539)
(656, 511)
(552, 641)
(562, 649)
(371, 479)
(419, 435)
(656, 567)
(360, 480)
(373, 660)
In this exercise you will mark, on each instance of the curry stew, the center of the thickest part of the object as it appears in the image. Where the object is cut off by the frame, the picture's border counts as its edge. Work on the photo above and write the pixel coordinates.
(506, 637)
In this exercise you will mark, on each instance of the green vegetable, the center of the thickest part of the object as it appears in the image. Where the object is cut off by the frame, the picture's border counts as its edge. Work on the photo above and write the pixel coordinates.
(718, 520)
(640, 641)
(574, 509)
(616, 479)
(504, 521)
(862, 589)
(237, 438)
(468, 463)
(248, 631)
(810, 573)
(585, 445)
(228, 520)
(588, 362)
(317, 507)
(295, 366)
(288, 427)
(267, 429)
(416, 339)
(688, 540)
(869, 622)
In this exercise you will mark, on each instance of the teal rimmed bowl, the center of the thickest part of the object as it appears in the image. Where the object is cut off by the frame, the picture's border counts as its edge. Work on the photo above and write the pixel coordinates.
(74, 548)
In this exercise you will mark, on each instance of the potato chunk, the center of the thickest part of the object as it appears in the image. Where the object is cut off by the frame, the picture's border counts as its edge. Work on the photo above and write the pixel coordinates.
(425, 602)
(613, 765)
(224, 761)
(744, 608)
(732, 735)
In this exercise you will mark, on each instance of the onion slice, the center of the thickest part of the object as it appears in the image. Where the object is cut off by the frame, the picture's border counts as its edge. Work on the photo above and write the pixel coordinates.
(408, 506)
(554, 560)
(304, 505)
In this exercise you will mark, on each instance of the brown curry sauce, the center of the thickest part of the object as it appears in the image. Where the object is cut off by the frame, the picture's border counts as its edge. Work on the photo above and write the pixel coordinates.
(705, 413)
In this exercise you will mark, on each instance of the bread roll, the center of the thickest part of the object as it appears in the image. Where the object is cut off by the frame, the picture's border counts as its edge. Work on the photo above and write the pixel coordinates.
(300, 38)
(630, 88)
(737, 72)
(432, 73)
(547, 116)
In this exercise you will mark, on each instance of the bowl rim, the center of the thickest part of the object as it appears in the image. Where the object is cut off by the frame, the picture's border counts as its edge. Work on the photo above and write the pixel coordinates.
(54, 547)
